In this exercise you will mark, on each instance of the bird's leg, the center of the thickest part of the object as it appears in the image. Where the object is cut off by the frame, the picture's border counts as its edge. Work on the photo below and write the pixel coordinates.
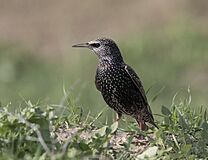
(141, 123)
(142, 126)
(118, 116)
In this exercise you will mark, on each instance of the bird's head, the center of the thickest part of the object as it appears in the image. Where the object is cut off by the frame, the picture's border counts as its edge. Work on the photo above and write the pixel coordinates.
(104, 48)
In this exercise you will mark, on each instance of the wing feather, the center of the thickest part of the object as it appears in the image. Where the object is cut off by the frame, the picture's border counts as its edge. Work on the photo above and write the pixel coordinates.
(140, 88)
(136, 81)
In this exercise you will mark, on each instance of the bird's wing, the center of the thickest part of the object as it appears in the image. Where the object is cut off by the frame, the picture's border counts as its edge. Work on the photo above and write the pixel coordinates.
(136, 81)
(138, 84)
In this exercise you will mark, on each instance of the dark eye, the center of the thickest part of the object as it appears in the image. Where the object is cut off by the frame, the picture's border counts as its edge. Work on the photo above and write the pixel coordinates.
(96, 45)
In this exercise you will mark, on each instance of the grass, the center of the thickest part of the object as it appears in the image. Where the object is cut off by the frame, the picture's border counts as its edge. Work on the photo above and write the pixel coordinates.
(174, 58)
(167, 61)
(61, 131)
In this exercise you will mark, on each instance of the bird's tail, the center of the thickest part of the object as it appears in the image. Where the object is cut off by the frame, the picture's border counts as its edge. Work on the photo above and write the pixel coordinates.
(153, 123)
(151, 118)
(145, 116)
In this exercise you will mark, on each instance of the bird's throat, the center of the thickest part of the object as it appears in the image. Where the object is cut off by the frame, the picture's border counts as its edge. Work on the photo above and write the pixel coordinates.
(109, 62)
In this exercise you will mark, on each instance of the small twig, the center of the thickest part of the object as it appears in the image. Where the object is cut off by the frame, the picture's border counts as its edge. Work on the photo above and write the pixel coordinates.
(39, 135)
(65, 147)
(52, 138)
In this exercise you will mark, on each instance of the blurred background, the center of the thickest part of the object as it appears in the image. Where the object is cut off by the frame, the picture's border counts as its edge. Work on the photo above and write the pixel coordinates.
(166, 42)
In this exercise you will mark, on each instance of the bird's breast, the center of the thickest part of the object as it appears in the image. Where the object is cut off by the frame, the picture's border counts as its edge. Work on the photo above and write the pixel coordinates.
(117, 89)
(112, 80)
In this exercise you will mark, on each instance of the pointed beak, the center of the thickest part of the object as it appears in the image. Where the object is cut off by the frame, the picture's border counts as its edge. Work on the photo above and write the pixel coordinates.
(86, 45)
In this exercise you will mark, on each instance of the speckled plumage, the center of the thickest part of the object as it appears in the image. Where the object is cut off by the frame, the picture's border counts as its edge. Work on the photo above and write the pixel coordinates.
(119, 85)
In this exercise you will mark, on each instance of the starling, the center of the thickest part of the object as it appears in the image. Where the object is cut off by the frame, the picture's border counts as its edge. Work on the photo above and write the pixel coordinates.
(118, 83)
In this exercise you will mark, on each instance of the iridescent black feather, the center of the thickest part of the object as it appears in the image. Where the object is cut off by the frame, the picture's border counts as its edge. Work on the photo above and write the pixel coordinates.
(119, 85)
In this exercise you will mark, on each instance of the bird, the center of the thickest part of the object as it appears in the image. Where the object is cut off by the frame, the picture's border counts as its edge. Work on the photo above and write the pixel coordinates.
(119, 84)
